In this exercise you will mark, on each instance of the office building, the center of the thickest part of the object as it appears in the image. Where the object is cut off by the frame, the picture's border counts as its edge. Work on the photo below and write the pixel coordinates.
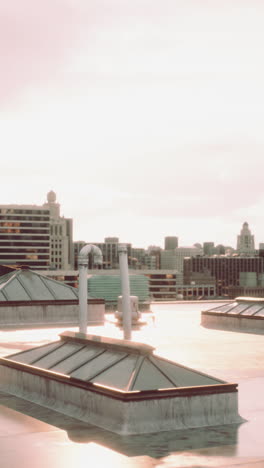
(208, 248)
(61, 236)
(138, 256)
(168, 260)
(173, 259)
(108, 287)
(25, 236)
(261, 249)
(245, 241)
(153, 251)
(77, 246)
(225, 270)
(109, 249)
(150, 262)
(170, 243)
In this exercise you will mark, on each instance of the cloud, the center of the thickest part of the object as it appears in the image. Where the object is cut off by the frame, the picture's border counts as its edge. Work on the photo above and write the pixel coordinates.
(35, 39)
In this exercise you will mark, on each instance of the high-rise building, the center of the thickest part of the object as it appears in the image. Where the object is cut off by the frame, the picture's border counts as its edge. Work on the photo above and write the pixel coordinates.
(138, 256)
(173, 259)
(171, 243)
(153, 251)
(245, 241)
(261, 249)
(61, 236)
(220, 249)
(208, 248)
(109, 249)
(150, 262)
(168, 260)
(77, 246)
(25, 236)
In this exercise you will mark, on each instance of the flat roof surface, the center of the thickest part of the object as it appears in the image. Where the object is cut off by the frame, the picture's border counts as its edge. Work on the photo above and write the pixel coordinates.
(31, 435)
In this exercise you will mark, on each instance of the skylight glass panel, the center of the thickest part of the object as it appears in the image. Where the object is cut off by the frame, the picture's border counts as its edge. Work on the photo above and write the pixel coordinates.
(35, 287)
(252, 310)
(226, 308)
(238, 309)
(260, 313)
(16, 292)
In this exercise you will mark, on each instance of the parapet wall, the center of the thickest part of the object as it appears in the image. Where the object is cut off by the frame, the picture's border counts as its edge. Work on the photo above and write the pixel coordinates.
(136, 415)
(57, 313)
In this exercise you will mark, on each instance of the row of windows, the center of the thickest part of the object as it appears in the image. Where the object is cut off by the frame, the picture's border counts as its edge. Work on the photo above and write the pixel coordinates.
(25, 244)
(23, 249)
(25, 218)
(25, 257)
(23, 224)
(163, 276)
(6, 211)
(161, 283)
(57, 230)
(32, 237)
(32, 263)
(24, 228)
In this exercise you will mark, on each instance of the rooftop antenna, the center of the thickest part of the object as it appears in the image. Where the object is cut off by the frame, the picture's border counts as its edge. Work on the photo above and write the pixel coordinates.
(83, 289)
(126, 305)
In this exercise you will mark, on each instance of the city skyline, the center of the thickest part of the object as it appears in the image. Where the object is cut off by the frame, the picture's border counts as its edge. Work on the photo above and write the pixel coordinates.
(145, 118)
(245, 239)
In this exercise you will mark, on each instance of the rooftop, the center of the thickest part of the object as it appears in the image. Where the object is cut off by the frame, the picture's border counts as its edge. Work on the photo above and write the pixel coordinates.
(33, 435)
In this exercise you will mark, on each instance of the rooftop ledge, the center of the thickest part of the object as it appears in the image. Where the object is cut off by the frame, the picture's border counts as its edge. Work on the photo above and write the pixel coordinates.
(249, 299)
(118, 394)
(105, 342)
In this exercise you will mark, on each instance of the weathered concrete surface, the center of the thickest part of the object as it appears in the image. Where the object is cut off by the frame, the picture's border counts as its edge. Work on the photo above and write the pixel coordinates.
(44, 314)
(122, 417)
(118, 385)
(225, 322)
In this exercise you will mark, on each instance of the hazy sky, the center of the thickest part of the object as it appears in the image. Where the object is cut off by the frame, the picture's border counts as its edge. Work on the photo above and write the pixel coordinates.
(145, 117)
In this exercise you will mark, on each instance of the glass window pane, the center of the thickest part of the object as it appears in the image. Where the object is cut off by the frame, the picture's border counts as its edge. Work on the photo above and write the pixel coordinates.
(252, 310)
(238, 309)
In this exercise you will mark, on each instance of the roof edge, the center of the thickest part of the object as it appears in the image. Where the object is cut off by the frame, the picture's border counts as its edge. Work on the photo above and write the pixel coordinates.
(110, 343)
(118, 394)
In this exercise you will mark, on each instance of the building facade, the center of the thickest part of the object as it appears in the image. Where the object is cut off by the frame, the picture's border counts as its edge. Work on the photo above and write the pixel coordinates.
(208, 248)
(61, 236)
(245, 241)
(173, 259)
(25, 236)
(109, 249)
(36, 236)
(225, 270)
(171, 242)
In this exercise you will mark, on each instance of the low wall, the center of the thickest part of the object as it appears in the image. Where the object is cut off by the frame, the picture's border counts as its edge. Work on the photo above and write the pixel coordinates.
(48, 313)
(113, 413)
(143, 307)
(236, 323)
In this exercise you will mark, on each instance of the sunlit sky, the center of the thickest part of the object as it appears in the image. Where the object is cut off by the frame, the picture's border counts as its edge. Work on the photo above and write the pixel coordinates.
(145, 117)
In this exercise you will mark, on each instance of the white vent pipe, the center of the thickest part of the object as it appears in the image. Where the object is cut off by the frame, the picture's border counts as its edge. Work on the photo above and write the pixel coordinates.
(83, 288)
(126, 305)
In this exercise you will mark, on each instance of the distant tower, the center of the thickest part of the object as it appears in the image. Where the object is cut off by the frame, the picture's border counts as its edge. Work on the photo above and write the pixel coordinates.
(53, 206)
(245, 241)
(171, 243)
(61, 242)
(208, 248)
